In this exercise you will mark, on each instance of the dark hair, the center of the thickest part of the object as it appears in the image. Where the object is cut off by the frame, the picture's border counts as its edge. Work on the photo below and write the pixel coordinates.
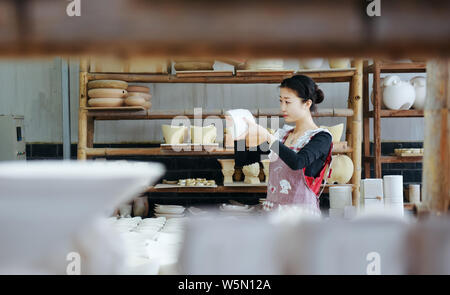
(305, 88)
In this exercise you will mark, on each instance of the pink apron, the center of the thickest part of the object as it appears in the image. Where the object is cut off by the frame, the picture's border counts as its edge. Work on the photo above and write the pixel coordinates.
(290, 187)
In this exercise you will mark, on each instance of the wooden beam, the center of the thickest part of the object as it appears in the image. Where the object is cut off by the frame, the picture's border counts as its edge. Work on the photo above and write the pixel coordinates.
(226, 28)
(436, 163)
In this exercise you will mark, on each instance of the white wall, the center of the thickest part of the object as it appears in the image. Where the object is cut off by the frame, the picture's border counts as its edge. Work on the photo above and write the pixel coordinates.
(33, 88)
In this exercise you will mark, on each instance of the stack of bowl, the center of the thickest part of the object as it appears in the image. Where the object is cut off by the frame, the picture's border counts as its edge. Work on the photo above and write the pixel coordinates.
(169, 211)
(138, 96)
(393, 193)
(340, 198)
(107, 93)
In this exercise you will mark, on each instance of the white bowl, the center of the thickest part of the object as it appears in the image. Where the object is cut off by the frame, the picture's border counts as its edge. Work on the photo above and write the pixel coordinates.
(170, 210)
(44, 204)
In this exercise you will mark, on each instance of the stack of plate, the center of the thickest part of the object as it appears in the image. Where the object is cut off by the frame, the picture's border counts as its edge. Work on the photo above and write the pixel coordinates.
(236, 210)
(169, 211)
(107, 93)
(138, 96)
(393, 193)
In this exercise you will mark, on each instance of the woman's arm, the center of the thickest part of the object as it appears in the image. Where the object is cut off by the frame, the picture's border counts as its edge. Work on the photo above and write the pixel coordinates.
(318, 147)
(243, 156)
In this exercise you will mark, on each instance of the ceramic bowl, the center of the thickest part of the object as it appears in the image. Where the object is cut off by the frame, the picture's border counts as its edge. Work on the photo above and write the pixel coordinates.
(63, 198)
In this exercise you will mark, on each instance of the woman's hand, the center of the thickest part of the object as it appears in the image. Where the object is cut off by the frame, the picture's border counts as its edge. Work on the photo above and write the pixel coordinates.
(256, 134)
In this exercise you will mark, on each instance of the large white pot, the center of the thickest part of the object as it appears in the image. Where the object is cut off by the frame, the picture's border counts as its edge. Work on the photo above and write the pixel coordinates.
(339, 63)
(311, 63)
(420, 86)
(398, 94)
(383, 107)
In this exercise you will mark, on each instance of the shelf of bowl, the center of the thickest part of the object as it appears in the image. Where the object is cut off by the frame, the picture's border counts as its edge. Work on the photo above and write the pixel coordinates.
(339, 148)
(406, 67)
(220, 113)
(396, 159)
(245, 77)
(262, 188)
(398, 113)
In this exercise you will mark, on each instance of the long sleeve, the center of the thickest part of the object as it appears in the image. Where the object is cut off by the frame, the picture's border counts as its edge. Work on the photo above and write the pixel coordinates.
(243, 156)
(312, 155)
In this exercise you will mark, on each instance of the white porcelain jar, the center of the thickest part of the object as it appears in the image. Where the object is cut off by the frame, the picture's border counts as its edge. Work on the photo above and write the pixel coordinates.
(383, 107)
(420, 86)
(398, 94)
(311, 63)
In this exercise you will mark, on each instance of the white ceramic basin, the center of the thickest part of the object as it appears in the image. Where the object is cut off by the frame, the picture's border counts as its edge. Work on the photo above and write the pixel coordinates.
(44, 204)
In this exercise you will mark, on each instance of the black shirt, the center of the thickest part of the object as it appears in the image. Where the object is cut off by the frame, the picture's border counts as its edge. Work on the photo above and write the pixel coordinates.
(312, 156)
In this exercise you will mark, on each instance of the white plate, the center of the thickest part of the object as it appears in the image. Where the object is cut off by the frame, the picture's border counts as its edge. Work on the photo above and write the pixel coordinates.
(235, 208)
(170, 215)
(169, 210)
(62, 198)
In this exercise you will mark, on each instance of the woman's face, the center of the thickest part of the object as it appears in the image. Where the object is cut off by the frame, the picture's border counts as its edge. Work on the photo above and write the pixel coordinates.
(292, 107)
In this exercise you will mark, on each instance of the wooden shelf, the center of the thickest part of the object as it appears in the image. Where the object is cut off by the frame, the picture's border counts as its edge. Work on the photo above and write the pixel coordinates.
(170, 114)
(104, 152)
(220, 189)
(115, 109)
(412, 67)
(87, 116)
(396, 159)
(398, 113)
(377, 159)
(331, 75)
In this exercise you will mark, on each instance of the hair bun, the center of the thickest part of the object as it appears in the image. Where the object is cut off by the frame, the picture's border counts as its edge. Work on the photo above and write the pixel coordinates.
(319, 96)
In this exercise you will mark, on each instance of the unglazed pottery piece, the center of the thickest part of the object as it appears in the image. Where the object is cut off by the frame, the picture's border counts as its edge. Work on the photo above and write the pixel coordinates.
(194, 66)
(105, 102)
(227, 175)
(342, 169)
(420, 86)
(251, 173)
(117, 84)
(107, 93)
(135, 101)
(398, 94)
(138, 88)
(264, 64)
(339, 63)
(336, 131)
(311, 63)
(227, 164)
(146, 96)
(203, 135)
(174, 134)
(383, 107)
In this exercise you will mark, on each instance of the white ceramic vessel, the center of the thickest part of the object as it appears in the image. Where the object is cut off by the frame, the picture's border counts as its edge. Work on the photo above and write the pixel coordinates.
(336, 131)
(420, 87)
(342, 169)
(311, 63)
(398, 94)
(339, 63)
(45, 205)
(174, 134)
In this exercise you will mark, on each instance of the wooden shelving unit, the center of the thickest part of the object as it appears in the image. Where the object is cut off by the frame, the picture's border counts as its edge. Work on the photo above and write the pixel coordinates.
(219, 189)
(87, 116)
(377, 113)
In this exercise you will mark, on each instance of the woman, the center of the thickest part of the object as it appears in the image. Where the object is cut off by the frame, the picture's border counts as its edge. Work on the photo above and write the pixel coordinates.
(300, 155)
